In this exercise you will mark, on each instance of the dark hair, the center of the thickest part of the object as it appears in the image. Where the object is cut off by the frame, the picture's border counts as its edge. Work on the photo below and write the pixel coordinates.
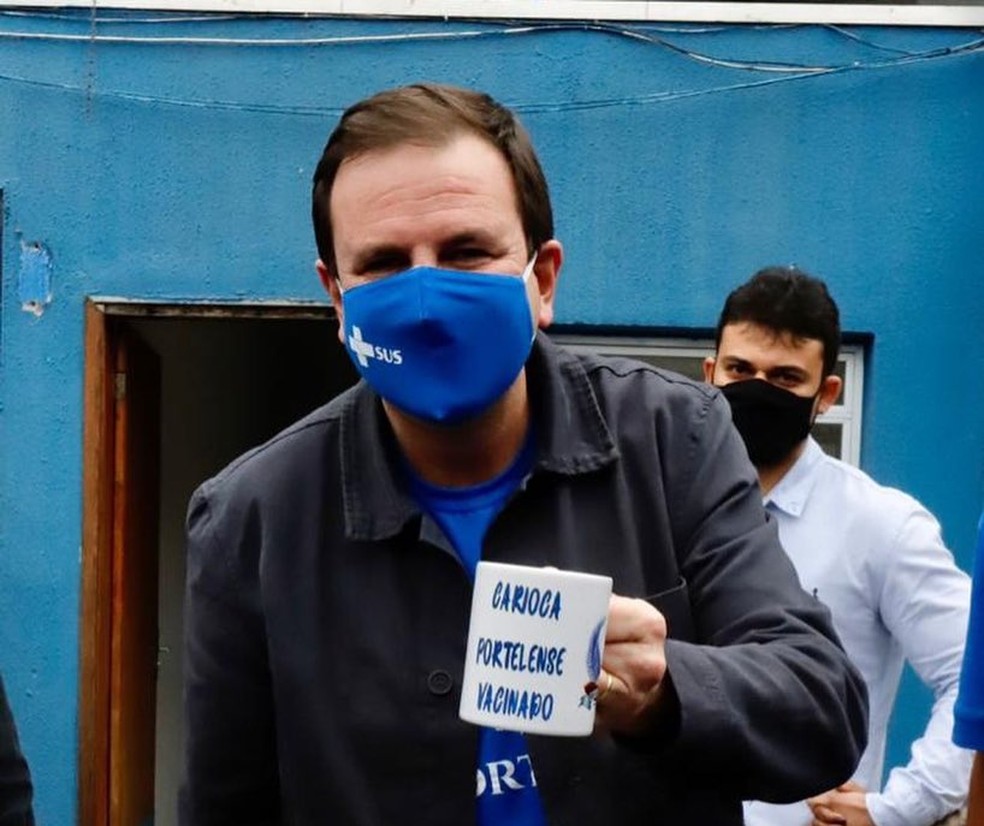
(786, 300)
(431, 114)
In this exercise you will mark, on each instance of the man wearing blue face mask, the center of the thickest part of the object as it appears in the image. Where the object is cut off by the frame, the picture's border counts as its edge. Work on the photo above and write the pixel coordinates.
(872, 554)
(330, 570)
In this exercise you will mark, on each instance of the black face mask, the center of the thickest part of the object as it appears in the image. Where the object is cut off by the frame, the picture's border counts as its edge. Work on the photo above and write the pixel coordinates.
(771, 421)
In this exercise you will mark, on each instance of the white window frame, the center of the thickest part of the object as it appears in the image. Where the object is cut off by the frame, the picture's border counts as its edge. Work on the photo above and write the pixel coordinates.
(846, 412)
(648, 11)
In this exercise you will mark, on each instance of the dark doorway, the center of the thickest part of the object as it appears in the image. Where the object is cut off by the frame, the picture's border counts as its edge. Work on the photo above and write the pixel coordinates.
(229, 379)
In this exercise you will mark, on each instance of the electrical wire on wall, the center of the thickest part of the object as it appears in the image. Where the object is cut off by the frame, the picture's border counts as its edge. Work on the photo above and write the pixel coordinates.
(657, 36)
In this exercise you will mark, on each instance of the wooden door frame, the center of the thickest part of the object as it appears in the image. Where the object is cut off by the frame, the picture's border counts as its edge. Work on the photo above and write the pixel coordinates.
(98, 451)
(103, 320)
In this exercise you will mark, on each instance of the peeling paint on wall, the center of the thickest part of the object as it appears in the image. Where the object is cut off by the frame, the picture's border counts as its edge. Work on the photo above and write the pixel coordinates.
(34, 278)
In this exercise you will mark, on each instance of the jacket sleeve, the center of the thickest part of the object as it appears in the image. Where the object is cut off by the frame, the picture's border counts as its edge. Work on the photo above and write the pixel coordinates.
(769, 702)
(968, 726)
(15, 779)
(230, 773)
(924, 602)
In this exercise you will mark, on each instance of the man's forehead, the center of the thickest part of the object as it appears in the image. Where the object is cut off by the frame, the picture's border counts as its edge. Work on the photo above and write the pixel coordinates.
(757, 339)
(462, 141)
(466, 163)
(412, 191)
(371, 154)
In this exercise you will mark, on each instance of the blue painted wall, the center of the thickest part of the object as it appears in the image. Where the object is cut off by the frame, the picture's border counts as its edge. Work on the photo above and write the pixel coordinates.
(182, 171)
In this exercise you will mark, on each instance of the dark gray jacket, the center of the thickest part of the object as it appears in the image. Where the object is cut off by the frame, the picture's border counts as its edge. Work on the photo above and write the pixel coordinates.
(326, 619)
(15, 779)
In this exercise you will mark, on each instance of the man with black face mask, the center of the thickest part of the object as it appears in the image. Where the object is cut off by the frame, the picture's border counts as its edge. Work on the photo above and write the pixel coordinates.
(872, 554)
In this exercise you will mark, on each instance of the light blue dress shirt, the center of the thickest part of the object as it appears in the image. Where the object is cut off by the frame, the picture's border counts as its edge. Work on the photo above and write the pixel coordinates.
(875, 556)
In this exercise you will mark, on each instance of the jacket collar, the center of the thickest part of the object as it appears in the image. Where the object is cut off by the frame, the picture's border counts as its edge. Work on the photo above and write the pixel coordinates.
(572, 438)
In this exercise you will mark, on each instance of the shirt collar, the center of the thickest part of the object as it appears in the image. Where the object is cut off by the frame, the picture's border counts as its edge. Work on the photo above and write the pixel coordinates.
(572, 438)
(792, 491)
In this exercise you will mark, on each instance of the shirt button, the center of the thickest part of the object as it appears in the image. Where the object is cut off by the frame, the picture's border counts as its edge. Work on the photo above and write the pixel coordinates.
(439, 682)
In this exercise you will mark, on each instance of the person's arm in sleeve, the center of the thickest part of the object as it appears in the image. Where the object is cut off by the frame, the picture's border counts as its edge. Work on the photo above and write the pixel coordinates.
(230, 775)
(15, 779)
(975, 802)
(924, 603)
(968, 727)
(768, 700)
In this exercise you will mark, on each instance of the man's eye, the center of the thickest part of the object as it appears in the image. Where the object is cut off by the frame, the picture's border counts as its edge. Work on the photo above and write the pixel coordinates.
(468, 254)
(380, 266)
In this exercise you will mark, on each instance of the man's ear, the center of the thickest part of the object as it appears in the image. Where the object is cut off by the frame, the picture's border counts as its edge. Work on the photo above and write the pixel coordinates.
(830, 392)
(330, 283)
(546, 271)
(709, 363)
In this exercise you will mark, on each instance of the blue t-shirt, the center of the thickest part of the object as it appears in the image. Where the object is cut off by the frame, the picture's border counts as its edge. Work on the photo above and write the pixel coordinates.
(506, 784)
(968, 714)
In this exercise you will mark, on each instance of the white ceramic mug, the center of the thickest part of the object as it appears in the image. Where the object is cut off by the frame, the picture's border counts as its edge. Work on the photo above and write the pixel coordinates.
(535, 640)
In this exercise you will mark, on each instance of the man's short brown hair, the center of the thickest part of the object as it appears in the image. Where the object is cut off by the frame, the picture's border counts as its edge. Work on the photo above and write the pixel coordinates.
(430, 114)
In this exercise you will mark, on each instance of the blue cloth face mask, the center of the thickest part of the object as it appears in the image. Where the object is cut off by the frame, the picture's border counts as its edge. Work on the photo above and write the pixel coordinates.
(441, 345)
